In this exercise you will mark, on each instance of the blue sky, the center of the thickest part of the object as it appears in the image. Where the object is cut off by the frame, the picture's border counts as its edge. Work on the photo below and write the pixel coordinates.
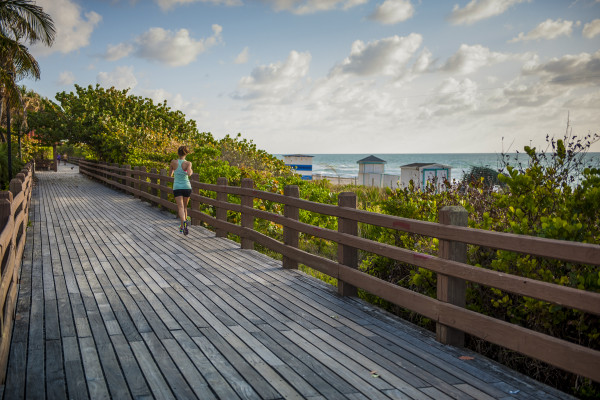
(343, 76)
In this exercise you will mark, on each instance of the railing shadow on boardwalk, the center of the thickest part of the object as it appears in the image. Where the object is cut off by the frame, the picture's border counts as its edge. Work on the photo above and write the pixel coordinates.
(113, 303)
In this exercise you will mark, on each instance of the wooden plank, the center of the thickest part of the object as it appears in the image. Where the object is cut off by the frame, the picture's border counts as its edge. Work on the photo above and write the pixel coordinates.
(56, 387)
(14, 386)
(76, 382)
(151, 371)
(264, 362)
(188, 370)
(358, 383)
(235, 377)
(325, 380)
(133, 375)
(94, 376)
(113, 375)
(213, 377)
(168, 369)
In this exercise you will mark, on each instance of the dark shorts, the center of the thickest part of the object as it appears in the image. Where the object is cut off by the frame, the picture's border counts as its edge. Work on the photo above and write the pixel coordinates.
(182, 192)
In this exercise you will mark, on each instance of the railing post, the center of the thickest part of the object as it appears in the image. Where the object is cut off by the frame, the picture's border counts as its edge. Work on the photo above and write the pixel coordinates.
(112, 171)
(194, 203)
(290, 236)
(450, 289)
(121, 172)
(143, 180)
(163, 183)
(347, 255)
(247, 220)
(154, 191)
(103, 171)
(221, 213)
(6, 199)
(16, 185)
(136, 182)
(128, 176)
(55, 165)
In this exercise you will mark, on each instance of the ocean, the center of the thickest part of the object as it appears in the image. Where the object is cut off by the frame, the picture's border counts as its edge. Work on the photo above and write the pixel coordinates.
(345, 165)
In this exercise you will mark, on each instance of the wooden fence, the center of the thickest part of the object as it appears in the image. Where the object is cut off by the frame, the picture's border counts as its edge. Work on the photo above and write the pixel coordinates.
(14, 217)
(452, 319)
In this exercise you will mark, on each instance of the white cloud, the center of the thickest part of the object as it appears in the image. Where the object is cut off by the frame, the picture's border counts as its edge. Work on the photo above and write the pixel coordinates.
(478, 10)
(592, 29)
(424, 62)
(116, 52)
(174, 48)
(589, 101)
(242, 58)
(469, 59)
(302, 7)
(275, 81)
(548, 29)
(66, 78)
(451, 98)
(166, 5)
(517, 95)
(192, 110)
(121, 78)
(386, 56)
(569, 70)
(73, 30)
(393, 11)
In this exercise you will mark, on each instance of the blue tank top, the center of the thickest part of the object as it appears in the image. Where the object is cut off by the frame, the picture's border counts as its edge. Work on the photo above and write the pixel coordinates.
(182, 180)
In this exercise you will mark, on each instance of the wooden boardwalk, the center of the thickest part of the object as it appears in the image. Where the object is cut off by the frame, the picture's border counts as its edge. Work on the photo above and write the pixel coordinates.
(115, 303)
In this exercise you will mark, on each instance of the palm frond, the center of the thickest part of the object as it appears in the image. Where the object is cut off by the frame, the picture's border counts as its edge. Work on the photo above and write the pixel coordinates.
(24, 19)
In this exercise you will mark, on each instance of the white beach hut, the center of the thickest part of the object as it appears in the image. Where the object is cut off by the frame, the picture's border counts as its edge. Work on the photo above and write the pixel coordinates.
(420, 173)
(302, 163)
(371, 173)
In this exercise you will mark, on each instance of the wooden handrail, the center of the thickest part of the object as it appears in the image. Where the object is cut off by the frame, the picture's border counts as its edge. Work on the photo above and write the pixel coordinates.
(14, 217)
(563, 354)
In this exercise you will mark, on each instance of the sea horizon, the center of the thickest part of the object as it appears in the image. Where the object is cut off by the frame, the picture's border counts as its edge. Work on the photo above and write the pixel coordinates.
(345, 164)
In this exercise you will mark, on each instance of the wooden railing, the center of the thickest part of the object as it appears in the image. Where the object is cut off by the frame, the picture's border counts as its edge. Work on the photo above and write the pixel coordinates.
(452, 319)
(14, 217)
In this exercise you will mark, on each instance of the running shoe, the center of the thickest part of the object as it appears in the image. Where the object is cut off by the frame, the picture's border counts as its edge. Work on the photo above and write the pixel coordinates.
(181, 229)
(185, 228)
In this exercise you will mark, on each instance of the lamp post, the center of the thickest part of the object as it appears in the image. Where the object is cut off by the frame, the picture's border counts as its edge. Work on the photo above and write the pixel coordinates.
(8, 129)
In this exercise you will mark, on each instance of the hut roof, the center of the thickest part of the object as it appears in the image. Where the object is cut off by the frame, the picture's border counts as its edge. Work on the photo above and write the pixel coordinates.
(371, 159)
(419, 165)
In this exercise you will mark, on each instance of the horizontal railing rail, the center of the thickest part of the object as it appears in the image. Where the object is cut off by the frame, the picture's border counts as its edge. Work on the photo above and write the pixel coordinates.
(453, 320)
(14, 218)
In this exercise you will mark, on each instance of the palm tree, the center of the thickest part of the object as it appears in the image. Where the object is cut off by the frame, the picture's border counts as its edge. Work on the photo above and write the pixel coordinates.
(20, 20)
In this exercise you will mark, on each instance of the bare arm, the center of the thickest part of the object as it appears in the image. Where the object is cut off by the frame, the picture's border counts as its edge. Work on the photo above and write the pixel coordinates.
(171, 169)
(188, 168)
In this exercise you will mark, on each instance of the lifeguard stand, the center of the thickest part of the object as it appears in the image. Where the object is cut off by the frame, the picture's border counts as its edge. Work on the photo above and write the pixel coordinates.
(302, 163)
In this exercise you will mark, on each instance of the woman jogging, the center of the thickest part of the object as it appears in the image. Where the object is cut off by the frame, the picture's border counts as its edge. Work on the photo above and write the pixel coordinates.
(182, 189)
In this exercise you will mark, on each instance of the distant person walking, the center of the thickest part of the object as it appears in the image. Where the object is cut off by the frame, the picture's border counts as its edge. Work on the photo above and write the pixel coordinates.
(182, 188)
(64, 157)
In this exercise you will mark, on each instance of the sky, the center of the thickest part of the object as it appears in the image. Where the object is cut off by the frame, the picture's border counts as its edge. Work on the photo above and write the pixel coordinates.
(343, 76)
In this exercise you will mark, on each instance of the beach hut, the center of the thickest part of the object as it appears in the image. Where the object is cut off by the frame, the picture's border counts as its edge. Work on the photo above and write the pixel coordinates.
(302, 163)
(371, 172)
(420, 173)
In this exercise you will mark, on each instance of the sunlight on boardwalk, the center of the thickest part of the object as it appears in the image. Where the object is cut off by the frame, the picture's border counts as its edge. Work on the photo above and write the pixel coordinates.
(115, 303)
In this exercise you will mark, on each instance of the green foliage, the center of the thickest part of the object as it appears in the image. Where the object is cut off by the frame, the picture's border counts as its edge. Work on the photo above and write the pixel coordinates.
(17, 165)
(117, 127)
(488, 177)
(555, 195)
